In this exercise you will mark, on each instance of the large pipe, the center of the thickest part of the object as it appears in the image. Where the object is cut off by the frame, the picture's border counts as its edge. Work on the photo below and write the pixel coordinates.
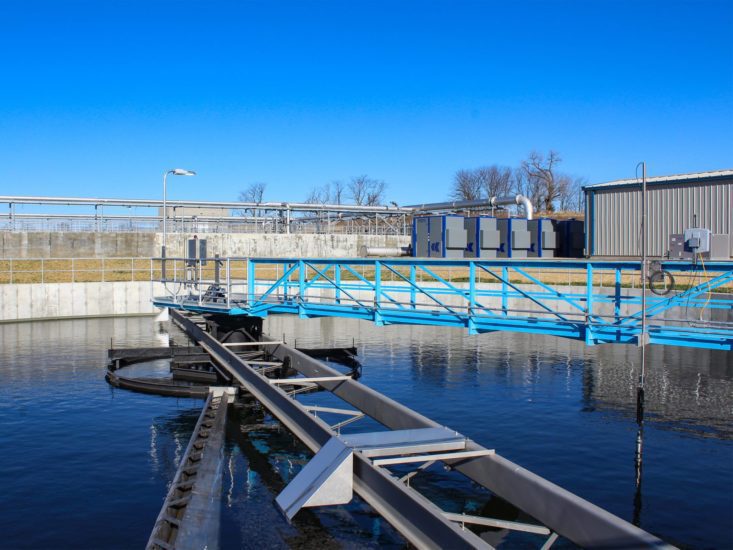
(454, 205)
(153, 203)
(384, 251)
(519, 200)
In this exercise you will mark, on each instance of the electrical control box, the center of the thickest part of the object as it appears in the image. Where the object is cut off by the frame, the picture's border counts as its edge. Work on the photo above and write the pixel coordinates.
(196, 252)
(697, 240)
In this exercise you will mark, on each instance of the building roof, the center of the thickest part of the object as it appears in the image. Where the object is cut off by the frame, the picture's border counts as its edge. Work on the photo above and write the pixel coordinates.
(694, 177)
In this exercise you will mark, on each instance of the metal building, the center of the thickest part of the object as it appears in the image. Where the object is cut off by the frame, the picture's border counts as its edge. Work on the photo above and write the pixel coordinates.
(613, 211)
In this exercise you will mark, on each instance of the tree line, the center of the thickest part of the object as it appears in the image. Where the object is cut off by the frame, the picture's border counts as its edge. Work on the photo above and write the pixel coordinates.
(361, 190)
(537, 177)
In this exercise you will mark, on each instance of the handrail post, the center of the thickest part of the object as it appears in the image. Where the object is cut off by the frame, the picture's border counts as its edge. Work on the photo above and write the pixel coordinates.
(377, 283)
(471, 287)
(588, 302)
(250, 282)
(199, 276)
(504, 291)
(413, 283)
(617, 296)
(152, 286)
(301, 288)
(377, 292)
(471, 297)
(337, 280)
(229, 283)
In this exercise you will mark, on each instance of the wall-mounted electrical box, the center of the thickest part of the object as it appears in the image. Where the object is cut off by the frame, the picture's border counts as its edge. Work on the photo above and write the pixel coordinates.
(697, 240)
(682, 245)
(196, 250)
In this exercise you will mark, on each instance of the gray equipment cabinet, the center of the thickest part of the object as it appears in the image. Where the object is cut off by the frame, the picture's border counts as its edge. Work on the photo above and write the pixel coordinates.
(543, 238)
(521, 241)
(421, 237)
(482, 237)
(438, 237)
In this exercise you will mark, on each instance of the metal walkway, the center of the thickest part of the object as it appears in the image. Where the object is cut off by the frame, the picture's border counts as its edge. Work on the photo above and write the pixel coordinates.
(597, 302)
(360, 463)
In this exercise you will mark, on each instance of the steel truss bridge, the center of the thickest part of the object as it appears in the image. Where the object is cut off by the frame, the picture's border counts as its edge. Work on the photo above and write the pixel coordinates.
(597, 302)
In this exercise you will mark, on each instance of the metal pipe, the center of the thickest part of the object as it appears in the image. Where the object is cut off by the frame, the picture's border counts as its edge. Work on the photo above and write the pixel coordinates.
(152, 203)
(519, 200)
(384, 251)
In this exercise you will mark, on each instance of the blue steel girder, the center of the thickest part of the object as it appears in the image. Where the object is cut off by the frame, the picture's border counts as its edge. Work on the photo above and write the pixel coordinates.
(677, 300)
(378, 299)
(422, 290)
(527, 295)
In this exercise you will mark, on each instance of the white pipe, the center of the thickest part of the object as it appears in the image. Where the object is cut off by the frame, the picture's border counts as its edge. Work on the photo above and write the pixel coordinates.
(153, 203)
(528, 208)
(384, 251)
(519, 200)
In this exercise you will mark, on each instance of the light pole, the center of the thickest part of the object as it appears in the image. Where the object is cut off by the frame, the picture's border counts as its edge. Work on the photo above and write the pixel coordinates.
(175, 172)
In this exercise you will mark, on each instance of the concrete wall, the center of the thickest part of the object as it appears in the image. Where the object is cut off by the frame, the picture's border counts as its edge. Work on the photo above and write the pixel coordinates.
(56, 300)
(146, 245)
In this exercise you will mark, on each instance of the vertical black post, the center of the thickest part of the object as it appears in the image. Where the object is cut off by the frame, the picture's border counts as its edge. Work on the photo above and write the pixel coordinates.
(643, 338)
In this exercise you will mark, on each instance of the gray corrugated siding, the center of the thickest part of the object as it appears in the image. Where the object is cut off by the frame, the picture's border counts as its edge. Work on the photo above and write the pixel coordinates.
(616, 215)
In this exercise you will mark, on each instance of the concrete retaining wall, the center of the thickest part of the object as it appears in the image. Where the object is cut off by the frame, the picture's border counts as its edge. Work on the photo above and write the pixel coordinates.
(59, 300)
(146, 245)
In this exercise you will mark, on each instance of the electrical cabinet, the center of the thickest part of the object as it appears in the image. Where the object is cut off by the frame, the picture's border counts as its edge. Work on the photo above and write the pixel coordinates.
(697, 240)
(543, 238)
(482, 237)
(439, 237)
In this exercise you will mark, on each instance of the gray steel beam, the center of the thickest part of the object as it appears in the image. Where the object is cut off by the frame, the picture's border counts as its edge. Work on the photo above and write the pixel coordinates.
(414, 516)
(569, 515)
(189, 518)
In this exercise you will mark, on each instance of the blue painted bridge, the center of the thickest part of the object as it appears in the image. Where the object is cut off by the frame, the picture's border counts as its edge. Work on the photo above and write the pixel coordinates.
(597, 302)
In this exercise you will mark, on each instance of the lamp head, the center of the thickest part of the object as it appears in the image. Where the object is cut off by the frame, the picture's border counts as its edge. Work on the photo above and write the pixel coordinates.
(182, 172)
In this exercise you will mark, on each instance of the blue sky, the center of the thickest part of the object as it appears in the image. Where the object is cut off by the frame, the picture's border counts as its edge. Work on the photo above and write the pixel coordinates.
(99, 98)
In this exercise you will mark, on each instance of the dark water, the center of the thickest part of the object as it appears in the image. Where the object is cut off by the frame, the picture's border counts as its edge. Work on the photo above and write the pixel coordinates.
(86, 466)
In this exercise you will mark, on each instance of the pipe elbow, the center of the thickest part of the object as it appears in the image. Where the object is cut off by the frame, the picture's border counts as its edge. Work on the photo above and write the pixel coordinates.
(521, 200)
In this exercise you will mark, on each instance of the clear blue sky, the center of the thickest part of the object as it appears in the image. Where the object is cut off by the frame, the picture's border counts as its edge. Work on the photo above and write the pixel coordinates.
(98, 98)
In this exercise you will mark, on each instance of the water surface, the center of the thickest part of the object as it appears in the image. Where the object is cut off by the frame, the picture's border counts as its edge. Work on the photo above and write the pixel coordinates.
(87, 466)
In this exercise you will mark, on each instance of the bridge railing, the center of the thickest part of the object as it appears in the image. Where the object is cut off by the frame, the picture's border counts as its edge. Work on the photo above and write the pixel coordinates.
(597, 301)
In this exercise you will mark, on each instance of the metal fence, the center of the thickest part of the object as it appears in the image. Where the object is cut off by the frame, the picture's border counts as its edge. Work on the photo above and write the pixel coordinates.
(364, 225)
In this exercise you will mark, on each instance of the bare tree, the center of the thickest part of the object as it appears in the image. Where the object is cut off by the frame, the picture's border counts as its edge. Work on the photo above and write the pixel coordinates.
(495, 180)
(543, 187)
(330, 193)
(319, 195)
(479, 183)
(571, 198)
(337, 191)
(254, 193)
(367, 191)
(466, 186)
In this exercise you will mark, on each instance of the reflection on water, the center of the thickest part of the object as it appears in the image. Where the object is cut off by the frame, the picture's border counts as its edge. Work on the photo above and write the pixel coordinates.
(554, 406)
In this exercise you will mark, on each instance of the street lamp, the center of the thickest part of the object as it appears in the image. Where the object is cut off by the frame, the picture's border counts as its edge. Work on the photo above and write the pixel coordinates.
(175, 172)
